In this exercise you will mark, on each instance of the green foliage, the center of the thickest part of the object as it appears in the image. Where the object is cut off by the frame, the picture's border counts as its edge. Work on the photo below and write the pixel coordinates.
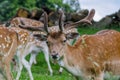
(8, 8)
(41, 3)
(4, 10)
(53, 4)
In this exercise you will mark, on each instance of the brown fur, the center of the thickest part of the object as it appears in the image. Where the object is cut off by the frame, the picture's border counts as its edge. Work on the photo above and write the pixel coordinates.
(8, 43)
(55, 35)
(94, 54)
(29, 22)
(10, 39)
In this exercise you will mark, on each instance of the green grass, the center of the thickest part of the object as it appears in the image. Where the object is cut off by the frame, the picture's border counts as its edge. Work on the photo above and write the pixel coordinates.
(40, 70)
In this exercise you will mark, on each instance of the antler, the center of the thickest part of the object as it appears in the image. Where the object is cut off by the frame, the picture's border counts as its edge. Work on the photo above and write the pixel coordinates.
(87, 19)
(61, 20)
(46, 22)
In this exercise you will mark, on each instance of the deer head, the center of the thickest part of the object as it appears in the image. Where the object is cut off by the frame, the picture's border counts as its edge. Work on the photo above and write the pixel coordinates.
(56, 39)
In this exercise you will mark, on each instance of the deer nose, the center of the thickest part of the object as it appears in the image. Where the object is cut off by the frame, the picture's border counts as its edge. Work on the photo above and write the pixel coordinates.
(55, 56)
(53, 51)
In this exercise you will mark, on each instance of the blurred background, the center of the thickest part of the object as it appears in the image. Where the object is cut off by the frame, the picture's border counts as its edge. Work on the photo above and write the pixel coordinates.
(8, 8)
(107, 12)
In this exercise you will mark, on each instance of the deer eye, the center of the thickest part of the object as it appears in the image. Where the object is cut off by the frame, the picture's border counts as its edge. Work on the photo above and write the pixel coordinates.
(64, 41)
(47, 42)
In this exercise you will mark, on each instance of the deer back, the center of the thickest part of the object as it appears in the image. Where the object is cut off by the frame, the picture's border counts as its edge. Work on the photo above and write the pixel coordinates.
(7, 38)
(17, 21)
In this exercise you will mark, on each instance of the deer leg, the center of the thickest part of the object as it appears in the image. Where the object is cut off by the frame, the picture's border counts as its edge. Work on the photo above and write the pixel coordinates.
(35, 62)
(46, 54)
(7, 60)
(33, 58)
(2, 72)
(27, 66)
(7, 70)
(99, 76)
(20, 67)
(60, 70)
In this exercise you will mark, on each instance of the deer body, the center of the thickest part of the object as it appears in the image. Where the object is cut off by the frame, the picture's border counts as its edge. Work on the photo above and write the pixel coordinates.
(24, 38)
(30, 47)
(17, 21)
(8, 46)
(92, 55)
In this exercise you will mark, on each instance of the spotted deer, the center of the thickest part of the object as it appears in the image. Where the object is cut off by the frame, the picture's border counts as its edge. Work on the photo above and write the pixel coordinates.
(91, 56)
(8, 46)
(66, 55)
(32, 24)
(31, 46)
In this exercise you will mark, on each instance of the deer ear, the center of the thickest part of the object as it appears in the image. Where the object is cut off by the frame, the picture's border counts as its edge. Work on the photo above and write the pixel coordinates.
(40, 37)
(72, 35)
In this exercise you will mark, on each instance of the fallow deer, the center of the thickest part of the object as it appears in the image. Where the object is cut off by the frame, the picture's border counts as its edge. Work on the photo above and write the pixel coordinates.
(31, 46)
(91, 56)
(8, 46)
(43, 45)
(66, 55)
(32, 24)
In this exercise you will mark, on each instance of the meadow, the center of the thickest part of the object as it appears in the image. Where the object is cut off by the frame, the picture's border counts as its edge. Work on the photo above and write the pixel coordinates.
(40, 70)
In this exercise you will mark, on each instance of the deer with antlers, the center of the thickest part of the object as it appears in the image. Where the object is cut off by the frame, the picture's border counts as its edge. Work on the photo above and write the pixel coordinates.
(73, 31)
(43, 46)
(60, 50)
(91, 56)
(31, 46)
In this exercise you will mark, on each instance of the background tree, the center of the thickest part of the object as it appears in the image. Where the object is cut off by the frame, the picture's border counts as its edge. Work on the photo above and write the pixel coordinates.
(8, 8)
(74, 4)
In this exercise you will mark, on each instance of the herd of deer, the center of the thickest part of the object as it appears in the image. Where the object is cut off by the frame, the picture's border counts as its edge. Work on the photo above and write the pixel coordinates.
(89, 57)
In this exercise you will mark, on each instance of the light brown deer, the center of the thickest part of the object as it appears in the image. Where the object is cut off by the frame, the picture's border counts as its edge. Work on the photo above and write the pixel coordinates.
(25, 38)
(91, 56)
(66, 55)
(31, 46)
(16, 21)
(8, 46)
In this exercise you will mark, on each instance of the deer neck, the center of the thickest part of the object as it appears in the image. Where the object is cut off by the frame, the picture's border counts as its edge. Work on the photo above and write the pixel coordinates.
(71, 60)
